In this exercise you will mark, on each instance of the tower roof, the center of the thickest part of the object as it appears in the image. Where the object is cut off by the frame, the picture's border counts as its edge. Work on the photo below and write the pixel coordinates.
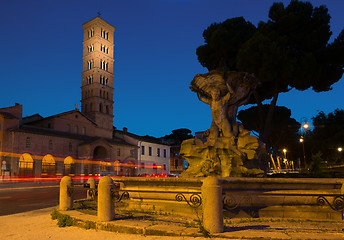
(98, 20)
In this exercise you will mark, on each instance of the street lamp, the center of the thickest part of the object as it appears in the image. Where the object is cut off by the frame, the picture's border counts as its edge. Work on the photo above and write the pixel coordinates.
(285, 152)
(304, 126)
(340, 149)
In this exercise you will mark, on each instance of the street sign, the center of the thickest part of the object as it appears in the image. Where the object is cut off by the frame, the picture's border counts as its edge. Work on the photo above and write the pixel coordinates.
(3, 166)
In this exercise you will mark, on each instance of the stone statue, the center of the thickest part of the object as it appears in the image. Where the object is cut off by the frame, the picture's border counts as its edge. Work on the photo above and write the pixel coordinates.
(229, 146)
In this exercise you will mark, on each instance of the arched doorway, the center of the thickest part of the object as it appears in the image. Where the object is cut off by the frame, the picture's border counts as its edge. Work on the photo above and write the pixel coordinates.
(69, 166)
(48, 165)
(99, 155)
(26, 165)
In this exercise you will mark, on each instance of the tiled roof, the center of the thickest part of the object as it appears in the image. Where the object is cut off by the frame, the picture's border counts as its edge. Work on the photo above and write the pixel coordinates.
(50, 132)
(66, 113)
(146, 138)
(8, 115)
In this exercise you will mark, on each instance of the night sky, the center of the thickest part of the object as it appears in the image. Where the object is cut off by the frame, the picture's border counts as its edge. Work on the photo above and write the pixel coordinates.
(155, 58)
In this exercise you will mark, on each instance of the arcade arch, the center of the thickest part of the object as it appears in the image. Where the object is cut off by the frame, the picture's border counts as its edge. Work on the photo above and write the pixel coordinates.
(99, 154)
(48, 165)
(69, 166)
(26, 165)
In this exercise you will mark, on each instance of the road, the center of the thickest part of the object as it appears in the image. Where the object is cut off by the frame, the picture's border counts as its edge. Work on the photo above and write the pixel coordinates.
(17, 199)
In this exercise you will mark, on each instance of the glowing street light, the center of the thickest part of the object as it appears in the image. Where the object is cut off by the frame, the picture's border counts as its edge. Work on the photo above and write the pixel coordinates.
(285, 153)
(340, 149)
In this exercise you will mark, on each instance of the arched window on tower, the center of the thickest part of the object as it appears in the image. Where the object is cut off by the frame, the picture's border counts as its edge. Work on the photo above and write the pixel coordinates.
(90, 33)
(90, 48)
(90, 64)
(100, 107)
(107, 109)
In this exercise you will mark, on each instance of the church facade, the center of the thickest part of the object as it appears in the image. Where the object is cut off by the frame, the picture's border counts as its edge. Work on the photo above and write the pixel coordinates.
(77, 142)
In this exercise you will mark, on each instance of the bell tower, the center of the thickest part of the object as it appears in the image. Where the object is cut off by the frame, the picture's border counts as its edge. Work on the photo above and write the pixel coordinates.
(97, 73)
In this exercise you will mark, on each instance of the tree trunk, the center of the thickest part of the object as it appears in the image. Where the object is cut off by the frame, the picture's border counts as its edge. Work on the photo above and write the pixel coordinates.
(260, 112)
(268, 119)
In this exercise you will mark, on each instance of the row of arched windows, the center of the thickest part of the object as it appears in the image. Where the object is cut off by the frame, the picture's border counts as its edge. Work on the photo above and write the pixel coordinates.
(101, 109)
(104, 34)
(104, 65)
(76, 129)
(88, 93)
(103, 80)
(28, 143)
(26, 165)
(104, 94)
(104, 49)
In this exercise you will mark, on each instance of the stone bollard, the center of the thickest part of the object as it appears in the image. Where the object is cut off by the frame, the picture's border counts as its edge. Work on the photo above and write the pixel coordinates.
(106, 207)
(92, 183)
(66, 196)
(212, 205)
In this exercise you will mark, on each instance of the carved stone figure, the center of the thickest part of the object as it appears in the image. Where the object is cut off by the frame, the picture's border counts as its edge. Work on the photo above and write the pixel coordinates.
(229, 146)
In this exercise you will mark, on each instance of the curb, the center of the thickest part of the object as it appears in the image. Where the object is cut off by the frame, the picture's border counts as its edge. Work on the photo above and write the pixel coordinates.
(86, 221)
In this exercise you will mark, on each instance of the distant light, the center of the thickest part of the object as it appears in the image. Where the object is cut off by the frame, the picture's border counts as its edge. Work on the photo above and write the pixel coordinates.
(301, 139)
(305, 126)
(284, 150)
(340, 149)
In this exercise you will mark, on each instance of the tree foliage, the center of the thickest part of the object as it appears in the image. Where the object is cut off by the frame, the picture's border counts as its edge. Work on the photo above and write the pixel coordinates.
(328, 135)
(284, 129)
(177, 136)
(290, 50)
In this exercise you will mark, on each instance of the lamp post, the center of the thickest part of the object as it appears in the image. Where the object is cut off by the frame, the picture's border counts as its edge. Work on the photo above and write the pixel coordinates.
(304, 126)
(285, 153)
(285, 158)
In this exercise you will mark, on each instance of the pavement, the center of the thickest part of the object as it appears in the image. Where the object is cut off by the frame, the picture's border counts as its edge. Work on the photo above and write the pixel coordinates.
(134, 225)
(38, 224)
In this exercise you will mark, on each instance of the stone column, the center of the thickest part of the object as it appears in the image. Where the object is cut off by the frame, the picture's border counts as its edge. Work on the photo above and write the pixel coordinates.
(66, 199)
(106, 207)
(92, 183)
(212, 205)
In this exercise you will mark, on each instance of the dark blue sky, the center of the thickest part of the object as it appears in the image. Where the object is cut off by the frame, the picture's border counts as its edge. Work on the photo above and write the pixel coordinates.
(155, 60)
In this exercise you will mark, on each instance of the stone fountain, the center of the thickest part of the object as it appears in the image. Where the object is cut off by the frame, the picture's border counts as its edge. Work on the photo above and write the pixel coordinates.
(229, 149)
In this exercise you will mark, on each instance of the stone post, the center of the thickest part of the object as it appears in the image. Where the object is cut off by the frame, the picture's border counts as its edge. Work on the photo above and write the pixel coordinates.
(92, 183)
(212, 205)
(106, 207)
(66, 197)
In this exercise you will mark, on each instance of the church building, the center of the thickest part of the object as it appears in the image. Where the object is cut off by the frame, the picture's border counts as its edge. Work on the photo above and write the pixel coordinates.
(80, 142)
